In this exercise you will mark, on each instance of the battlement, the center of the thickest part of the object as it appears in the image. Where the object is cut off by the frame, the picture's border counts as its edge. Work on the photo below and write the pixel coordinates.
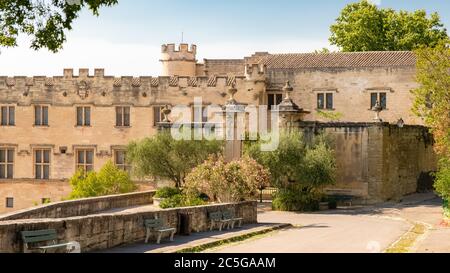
(101, 81)
(181, 61)
(255, 72)
(182, 48)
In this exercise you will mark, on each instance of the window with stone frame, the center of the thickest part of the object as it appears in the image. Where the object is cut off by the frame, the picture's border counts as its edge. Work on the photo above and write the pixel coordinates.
(120, 160)
(380, 97)
(42, 164)
(40, 115)
(85, 159)
(325, 101)
(274, 100)
(123, 116)
(83, 116)
(158, 115)
(6, 163)
(9, 202)
(8, 116)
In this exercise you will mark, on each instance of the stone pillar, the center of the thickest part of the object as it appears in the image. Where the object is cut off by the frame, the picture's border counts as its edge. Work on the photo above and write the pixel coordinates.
(233, 111)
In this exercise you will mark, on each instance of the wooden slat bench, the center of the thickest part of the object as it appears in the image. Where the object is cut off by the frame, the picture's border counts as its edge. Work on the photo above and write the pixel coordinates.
(31, 238)
(157, 226)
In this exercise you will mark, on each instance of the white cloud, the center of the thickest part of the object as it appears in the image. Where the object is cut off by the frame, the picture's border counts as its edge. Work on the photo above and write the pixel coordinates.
(127, 59)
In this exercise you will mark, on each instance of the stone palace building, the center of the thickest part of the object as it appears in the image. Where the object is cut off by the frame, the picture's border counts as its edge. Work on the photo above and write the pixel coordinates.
(50, 126)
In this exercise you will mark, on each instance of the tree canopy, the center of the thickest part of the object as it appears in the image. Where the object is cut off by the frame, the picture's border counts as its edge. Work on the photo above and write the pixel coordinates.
(362, 26)
(164, 157)
(46, 22)
(311, 165)
(432, 103)
(227, 182)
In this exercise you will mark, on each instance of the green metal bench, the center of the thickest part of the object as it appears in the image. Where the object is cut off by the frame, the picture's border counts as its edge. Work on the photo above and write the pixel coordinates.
(31, 238)
(216, 219)
(229, 216)
(222, 219)
(157, 226)
(348, 199)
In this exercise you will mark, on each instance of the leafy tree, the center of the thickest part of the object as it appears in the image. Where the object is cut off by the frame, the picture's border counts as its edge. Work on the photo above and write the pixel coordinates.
(227, 182)
(283, 162)
(300, 169)
(432, 103)
(108, 181)
(164, 157)
(362, 26)
(45, 21)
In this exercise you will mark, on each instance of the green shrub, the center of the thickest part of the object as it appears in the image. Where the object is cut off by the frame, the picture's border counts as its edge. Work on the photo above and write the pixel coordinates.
(442, 182)
(446, 208)
(108, 181)
(167, 192)
(294, 198)
(181, 200)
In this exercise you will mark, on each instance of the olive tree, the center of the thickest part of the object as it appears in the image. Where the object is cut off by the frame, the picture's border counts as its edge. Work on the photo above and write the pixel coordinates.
(164, 157)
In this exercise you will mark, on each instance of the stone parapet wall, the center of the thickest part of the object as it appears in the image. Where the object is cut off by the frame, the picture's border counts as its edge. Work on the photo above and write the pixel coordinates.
(30, 193)
(104, 231)
(82, 207)
(377, 162)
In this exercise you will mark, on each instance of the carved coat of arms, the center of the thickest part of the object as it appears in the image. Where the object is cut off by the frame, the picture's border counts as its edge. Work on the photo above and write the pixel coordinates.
(83, 90)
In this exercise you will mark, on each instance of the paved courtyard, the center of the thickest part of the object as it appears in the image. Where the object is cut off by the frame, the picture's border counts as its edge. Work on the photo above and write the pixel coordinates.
(356, 230)
(365, 230)
(325, 233)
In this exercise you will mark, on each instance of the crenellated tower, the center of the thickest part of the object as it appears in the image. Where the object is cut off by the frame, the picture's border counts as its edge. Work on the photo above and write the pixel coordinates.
(179, 61)
(256, 77)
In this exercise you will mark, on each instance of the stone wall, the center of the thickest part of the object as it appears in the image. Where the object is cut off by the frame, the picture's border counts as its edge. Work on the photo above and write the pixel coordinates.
(407, 155)
(351, 89)
(104, 231)
(103, 94)
(377, 162)
(82, 207)
(224, 67)
(28, 193)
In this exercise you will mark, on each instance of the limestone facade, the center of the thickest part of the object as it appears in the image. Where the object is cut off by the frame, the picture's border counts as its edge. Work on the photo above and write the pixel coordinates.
(53, 125)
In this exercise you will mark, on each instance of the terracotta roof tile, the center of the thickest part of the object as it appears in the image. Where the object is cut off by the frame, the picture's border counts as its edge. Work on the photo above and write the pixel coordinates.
(338, 60)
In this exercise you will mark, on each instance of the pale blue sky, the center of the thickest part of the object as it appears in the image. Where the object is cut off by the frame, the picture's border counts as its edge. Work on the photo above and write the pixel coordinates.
(126, 39)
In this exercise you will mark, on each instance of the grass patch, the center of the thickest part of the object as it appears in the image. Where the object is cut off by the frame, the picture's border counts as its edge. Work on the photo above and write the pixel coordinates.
(408, 240)
(235, 239)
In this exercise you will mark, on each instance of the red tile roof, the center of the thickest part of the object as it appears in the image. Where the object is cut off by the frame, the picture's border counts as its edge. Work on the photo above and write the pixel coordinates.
(337, 60)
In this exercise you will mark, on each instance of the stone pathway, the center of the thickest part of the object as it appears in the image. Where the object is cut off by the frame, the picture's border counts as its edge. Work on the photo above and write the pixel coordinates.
(195, 240)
